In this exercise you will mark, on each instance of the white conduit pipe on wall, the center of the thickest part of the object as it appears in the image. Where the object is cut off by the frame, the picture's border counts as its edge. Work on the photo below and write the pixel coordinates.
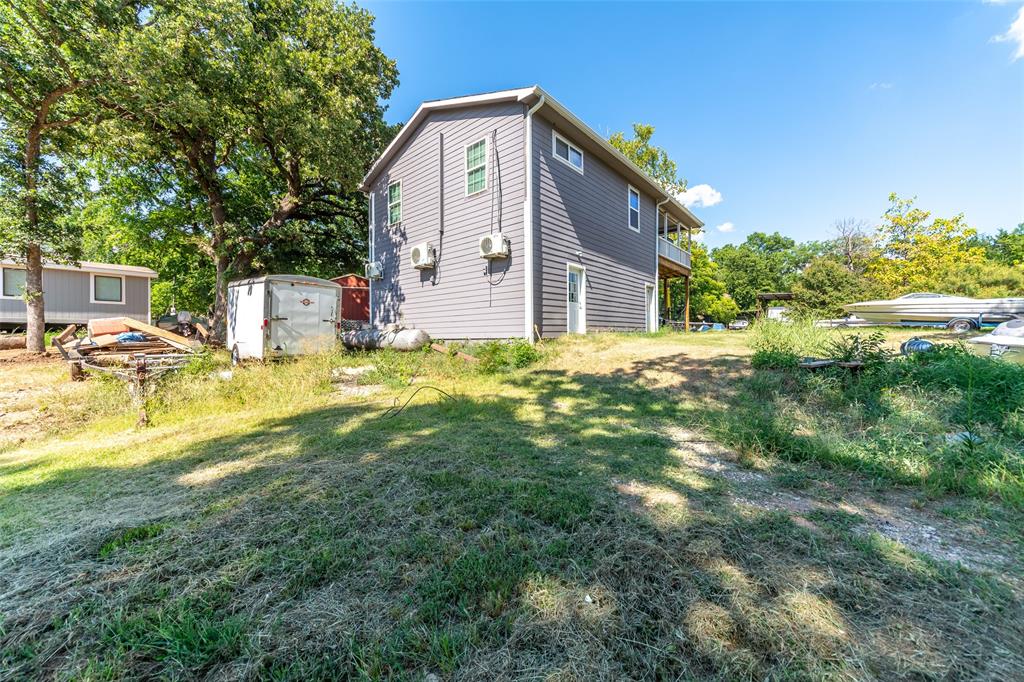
(528, 223)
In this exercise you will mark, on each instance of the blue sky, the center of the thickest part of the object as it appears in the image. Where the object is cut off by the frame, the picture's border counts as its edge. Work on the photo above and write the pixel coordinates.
(797, 114)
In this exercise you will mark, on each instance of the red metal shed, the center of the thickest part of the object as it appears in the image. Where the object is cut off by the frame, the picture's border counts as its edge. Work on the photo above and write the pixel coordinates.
(355, 297)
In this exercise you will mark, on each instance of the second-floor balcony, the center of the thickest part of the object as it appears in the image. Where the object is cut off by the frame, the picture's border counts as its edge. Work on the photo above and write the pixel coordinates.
(672, 259)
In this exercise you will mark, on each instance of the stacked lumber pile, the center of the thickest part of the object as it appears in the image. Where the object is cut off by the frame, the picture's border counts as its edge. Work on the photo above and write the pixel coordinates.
(120, 340)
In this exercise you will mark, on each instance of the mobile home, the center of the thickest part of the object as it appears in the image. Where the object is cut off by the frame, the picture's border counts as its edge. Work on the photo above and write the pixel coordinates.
(75, 294)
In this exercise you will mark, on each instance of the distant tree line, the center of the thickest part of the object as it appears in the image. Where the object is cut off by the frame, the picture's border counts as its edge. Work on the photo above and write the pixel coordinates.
(909, 250)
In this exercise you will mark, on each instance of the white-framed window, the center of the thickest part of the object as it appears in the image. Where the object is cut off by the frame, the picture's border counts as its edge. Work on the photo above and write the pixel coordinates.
(634, 209)
(395, 202)
(107, 289)
(13, 281)
(476, 167)
(566, 152)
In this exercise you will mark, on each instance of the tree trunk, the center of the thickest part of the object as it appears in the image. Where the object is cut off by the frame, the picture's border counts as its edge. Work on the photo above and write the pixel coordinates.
(220, 302)
(34, 313)
(36, 321)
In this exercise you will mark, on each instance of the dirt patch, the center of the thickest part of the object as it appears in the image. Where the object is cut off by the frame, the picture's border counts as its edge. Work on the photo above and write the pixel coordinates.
(21, 356)
(893, 514)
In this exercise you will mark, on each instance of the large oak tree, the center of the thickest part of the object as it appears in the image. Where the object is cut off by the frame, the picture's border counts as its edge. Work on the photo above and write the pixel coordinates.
(47, 58)
(269, 110)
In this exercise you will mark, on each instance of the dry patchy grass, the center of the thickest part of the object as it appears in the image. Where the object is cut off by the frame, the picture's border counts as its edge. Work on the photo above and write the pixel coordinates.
(543, 523)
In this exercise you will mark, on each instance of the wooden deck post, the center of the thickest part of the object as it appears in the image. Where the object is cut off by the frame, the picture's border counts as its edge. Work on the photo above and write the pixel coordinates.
(686, 306)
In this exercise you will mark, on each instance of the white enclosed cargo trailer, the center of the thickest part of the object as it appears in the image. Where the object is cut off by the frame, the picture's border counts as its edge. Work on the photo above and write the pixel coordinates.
(278, 315)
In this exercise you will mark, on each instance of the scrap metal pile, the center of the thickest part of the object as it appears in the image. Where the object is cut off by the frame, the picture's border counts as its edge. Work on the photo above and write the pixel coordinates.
(129, 349)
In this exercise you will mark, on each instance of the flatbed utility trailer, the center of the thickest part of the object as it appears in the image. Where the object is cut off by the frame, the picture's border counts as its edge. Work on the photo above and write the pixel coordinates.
(282, 315)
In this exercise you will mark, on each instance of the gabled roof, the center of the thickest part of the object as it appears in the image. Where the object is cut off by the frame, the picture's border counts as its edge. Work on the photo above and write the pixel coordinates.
(88, 266)
(553, 109)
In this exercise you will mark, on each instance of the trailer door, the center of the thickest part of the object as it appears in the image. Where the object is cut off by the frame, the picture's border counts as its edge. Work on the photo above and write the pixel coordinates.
(302, 318)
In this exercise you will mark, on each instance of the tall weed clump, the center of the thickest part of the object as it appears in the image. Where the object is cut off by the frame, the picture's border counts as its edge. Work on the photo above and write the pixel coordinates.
(779, 344)
(948, 420)
(504, 356)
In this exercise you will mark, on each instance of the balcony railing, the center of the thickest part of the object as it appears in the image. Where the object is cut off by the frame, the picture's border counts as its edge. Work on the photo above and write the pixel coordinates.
(673, 253)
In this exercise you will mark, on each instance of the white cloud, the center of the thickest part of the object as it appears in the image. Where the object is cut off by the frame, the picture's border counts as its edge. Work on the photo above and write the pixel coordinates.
(883, 85)
(699, 236)
(700, 195)
(1014, 35)
(725, 227)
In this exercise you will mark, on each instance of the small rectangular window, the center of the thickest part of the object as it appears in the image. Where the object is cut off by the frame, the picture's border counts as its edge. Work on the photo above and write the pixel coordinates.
(476, 167)
(567, 152)
(395, 203)
(634, 209)
(107, 289)
(13, 281)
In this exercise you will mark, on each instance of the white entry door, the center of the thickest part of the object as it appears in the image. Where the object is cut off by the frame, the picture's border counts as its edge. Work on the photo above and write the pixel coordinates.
(577, 323)
(651, 301)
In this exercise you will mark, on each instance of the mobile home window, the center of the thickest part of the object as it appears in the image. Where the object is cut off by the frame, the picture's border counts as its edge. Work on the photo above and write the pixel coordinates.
(634, 209)
(476, 167)
(13, 281)
(394, 203)
(567, 152)
(107, 289)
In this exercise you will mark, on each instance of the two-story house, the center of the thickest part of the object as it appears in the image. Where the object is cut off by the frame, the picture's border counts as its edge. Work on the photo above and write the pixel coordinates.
(503, 215)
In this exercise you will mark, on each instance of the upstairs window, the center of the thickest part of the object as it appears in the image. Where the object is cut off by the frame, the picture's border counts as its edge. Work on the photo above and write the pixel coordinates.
(13, 282)
(567, 152)
(107, 289)
(395, 203)
(634, 209)
(476, 167)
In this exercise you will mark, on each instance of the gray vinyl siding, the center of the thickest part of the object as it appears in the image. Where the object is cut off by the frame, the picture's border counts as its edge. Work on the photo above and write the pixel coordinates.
(66, 300)
(465, 296)
(588, 214)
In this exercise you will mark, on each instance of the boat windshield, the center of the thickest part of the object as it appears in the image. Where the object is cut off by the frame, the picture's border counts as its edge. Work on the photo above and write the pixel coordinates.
(924, 295)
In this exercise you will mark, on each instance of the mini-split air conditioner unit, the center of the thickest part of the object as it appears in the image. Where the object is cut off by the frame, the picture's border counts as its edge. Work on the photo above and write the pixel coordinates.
(493, 245)
(422, 256)
(374, 270)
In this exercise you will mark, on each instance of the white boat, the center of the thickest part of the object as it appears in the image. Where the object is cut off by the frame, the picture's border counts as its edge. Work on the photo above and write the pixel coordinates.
(1005, 341)
(958, 313)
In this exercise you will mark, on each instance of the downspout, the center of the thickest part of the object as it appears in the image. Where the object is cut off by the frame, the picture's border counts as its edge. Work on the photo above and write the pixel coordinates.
(528, 223)
(657, 289)
(372, 250)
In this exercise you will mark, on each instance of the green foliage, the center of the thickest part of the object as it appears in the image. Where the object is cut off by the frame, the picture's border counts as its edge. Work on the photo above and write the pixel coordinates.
(47, 54)
(778, 344)
(652, 159)
(709, 299)
(825, 286)
(913, 253)
(984, 279)
(869, 349)
(762, 263)
(503, 356)
(259, 119)
(1006, 247)
(893, 420)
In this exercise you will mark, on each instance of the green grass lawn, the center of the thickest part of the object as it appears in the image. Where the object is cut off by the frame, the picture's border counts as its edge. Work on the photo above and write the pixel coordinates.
(629, 506)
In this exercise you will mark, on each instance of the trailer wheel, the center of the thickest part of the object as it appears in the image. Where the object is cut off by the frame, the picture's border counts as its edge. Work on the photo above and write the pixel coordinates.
(236, 358)
(961, 325)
